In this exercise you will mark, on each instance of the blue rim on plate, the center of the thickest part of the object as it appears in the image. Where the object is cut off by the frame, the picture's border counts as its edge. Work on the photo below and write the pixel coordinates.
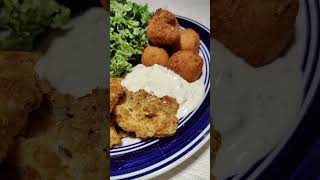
(282, 161)
(148, 159)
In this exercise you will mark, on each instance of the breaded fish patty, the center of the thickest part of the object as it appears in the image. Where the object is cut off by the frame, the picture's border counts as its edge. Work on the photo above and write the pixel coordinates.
(73, 149)
(116, 91)
(54, 108)
(35, 159)
(147, 116)
(115, 137)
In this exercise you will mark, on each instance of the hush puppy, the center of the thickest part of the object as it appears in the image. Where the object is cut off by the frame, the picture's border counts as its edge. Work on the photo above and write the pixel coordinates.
(154, 55)
(189, 40)
(163, 29)
(187, 64)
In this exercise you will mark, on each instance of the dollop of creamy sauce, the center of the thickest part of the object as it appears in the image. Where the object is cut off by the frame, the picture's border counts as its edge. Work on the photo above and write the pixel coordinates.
(160, 81)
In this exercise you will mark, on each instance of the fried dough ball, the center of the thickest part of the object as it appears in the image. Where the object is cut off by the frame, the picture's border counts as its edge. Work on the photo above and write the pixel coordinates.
(153, 55)
(190, 40)
(187, 64)
(163, 29)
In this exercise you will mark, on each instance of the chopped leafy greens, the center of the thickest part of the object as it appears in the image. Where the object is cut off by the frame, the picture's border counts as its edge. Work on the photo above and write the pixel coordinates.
(22, 21)
(128, 38)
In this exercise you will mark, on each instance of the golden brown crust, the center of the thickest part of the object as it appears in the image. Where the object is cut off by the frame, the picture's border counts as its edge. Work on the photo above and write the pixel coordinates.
(20, 83)
(55, 107)
(115, 137)
(88, 117)
(19, 95)
(73, 148)
(116, 92)
(146, 115)
(163, 29)
(187, 64)
(35, 159)
(154, 55)
(190, 40)
(256, 30)
(20, 57)
(85, 133)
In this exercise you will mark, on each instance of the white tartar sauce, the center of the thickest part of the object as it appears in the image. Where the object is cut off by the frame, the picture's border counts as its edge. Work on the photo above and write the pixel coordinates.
(160, 81)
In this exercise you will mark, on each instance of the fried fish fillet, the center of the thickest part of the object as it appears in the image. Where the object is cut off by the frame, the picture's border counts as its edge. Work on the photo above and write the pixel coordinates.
(85, 135)
(116, 91)
(147, 116)
(73, 149)
(19, 95)
(53, 108)
(257, 30)
(115, 138)
(37, 159)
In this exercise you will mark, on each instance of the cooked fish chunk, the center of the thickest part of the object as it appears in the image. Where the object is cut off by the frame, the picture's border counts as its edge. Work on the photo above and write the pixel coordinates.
(147, 116)
(257, 30)
(116, 92)
(19, 95)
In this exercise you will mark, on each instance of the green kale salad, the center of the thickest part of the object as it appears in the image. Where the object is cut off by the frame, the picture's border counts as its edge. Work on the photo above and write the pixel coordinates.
(22, 21)
(128, 26)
